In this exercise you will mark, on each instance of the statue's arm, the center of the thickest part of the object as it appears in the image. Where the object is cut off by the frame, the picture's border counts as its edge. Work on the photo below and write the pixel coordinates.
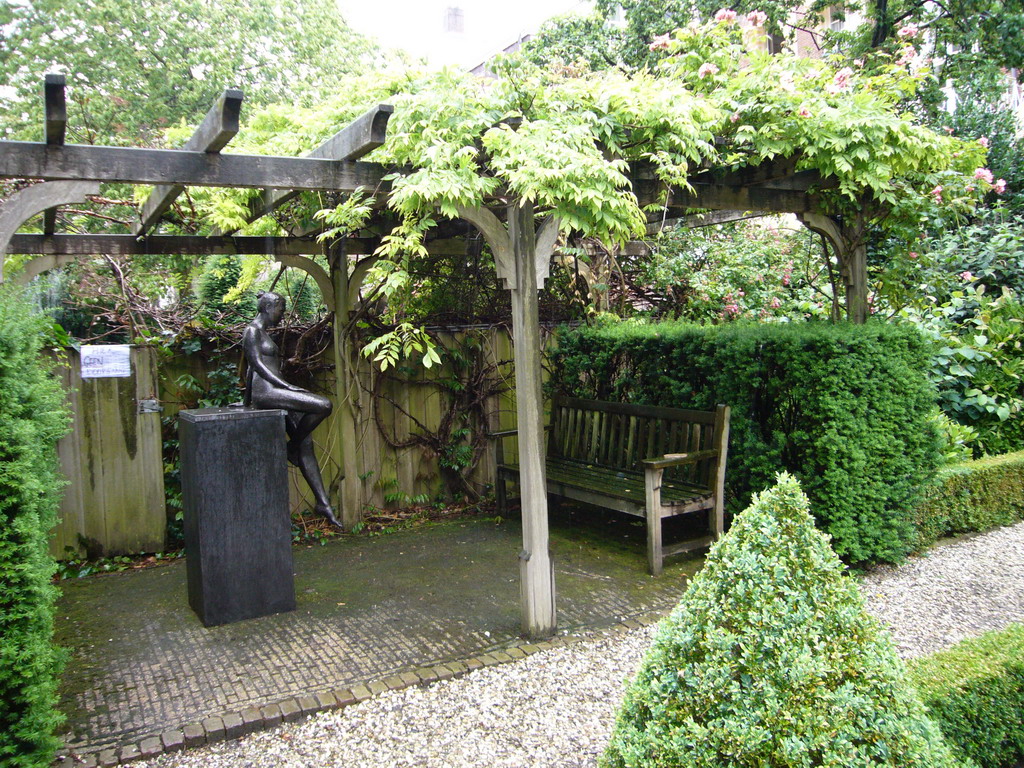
(253, 355)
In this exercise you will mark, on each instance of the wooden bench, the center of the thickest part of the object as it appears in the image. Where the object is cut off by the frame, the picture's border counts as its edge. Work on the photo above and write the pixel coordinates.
(642, 460)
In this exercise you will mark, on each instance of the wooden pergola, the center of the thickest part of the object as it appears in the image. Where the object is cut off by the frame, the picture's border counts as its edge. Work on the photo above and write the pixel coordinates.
(522, 249)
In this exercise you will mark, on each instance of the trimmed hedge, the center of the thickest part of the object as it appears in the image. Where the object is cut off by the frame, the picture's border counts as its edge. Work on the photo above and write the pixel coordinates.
(973, 496)
(847, 409)
(975, 693)
(771, 660)
(33, 416)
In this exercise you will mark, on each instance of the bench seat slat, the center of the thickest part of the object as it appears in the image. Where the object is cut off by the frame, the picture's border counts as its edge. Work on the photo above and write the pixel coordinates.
(612, 482)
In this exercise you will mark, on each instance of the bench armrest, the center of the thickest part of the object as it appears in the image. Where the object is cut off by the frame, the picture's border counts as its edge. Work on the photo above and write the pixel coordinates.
(678, 459)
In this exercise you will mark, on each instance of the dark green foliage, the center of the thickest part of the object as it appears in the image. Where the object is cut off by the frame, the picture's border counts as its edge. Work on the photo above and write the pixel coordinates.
(220, 275)
(975, 694)
(32, 417)
(973, 496)
(977, 116)
(771, 660)
(845, 408)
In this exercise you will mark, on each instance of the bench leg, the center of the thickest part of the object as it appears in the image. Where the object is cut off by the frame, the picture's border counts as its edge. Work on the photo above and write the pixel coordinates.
(652, 488)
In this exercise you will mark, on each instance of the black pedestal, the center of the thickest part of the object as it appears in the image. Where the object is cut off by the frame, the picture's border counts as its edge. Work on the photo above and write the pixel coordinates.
(234, 482)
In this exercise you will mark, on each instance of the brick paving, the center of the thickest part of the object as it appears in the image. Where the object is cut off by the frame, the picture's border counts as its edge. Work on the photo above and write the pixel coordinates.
(373, 613)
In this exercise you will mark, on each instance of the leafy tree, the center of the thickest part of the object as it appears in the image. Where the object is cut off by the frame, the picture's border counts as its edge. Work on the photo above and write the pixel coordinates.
(135, 66)
(575, 40)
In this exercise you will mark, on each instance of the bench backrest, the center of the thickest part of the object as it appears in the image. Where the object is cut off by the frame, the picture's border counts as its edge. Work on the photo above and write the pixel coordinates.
(620, 435)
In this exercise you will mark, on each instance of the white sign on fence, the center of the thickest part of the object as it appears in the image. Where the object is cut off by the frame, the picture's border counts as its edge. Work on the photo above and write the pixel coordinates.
(108, 360)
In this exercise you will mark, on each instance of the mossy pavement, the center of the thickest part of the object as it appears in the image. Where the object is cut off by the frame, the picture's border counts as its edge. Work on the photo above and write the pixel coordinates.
(372, 611)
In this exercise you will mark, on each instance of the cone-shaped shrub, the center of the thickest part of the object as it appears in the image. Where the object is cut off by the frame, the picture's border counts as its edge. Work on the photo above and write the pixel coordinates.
(32, 417)
(770, 660)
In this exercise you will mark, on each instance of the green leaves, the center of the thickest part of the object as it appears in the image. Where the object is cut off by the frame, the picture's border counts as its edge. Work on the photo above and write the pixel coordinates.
(403, 342)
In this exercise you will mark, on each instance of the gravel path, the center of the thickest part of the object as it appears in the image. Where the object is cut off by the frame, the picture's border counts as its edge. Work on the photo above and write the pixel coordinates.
(555, 709)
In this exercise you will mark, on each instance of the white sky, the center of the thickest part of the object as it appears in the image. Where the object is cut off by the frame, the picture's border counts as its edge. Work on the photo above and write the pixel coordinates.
(417, 25)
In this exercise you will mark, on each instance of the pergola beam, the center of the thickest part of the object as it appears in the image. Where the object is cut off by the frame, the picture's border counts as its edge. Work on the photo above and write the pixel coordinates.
(133, 165)
(56, 108)
(722, 197)
(361, 136)
(55, 104)
(218, 128)
(752, 175)
(129, 245)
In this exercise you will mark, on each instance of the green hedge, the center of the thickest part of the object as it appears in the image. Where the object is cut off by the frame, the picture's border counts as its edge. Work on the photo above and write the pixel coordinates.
(32, 417)
(975, 693)
(844, 408)
(972, 496)
(770, 660)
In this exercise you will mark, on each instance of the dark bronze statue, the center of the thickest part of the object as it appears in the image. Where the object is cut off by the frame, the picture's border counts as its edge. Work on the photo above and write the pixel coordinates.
(264, 388)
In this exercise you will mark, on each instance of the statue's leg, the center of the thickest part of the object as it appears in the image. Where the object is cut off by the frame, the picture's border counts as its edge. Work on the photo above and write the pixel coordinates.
(306, 461)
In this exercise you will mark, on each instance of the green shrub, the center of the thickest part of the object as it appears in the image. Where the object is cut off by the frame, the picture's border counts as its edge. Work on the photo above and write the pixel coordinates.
(32, 417)
(975, 694)
(221, 275)
(847, 409)
(771, 660)
(973, 496)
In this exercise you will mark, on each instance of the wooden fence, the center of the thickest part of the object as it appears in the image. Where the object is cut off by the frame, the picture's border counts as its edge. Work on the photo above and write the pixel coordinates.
(114, 500)
(115, 496)
(388, 475)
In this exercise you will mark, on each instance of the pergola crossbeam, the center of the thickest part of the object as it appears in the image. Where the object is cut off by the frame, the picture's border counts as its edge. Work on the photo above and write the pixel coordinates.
(133, 165)
(56, 107)
(218, 128)
(359, 138)
(129, 245)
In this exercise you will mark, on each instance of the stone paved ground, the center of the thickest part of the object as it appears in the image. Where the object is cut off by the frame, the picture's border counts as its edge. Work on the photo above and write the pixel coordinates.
(368, 607)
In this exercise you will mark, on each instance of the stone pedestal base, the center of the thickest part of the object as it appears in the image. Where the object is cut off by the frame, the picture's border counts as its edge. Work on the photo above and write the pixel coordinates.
(234, 481)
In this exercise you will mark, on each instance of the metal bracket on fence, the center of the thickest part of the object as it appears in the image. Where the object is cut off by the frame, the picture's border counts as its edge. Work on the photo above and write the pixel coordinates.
(150, 406)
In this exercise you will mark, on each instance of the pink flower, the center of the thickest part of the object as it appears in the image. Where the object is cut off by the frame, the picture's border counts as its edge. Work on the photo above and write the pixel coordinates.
(707, 68)
(983, 141)
(983, 174)
(999, 187)
(734, 117)
(776, 303)
(913, 254)
(907, 55)
(757, 18)
(937, 193)
(948, 130)
(804, 112)
(908, 30)
(660, 42)
(970, 188)
(841, 81)
(966, 275)
(725, 14)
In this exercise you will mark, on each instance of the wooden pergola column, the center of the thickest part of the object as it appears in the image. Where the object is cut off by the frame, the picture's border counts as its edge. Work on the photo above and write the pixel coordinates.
(522, 255)
(848, 242)
(347, 485)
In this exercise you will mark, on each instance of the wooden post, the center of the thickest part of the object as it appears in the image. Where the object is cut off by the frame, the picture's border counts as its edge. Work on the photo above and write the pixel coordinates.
(652, 497)
(347, 487)
(536, 571)
(848, 242)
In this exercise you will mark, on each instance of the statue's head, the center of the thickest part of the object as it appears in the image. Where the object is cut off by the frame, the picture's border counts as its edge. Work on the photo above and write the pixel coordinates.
(270, 304)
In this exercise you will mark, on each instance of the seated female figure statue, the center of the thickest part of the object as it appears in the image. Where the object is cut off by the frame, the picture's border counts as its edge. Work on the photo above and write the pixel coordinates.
(264, 388)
